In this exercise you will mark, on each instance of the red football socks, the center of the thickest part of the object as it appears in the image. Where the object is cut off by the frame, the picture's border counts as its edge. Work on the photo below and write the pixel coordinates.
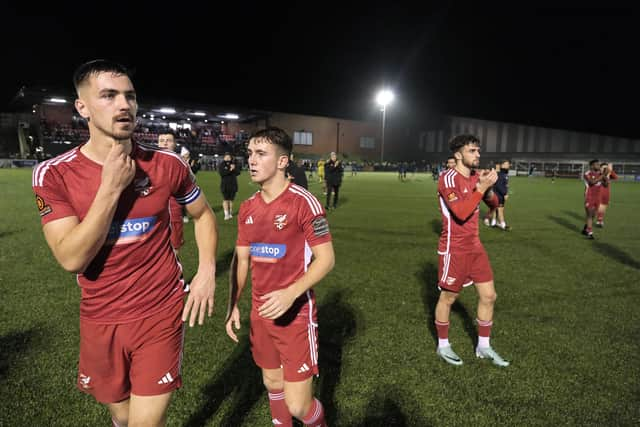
(280, 415)
(315, 416)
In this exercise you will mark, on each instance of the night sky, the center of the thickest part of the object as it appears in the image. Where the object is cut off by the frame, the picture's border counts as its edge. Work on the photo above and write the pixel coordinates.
(571, 68)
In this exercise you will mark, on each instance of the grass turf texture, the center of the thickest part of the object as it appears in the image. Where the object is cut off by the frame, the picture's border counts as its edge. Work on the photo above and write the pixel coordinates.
(567, 317)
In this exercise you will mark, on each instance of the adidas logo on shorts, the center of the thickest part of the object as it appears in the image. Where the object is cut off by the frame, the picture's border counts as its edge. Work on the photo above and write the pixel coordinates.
(303, 368)
(166, 379)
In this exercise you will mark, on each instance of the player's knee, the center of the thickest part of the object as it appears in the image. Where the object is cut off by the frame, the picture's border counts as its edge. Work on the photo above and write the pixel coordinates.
(119, 414)
(297, 406)
(272, 383)
(448, 298)
(120, 421)
(489, 298)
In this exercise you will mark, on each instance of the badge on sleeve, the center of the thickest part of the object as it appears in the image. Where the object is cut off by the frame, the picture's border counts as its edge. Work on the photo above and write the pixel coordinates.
(43, 208)
(320, 226)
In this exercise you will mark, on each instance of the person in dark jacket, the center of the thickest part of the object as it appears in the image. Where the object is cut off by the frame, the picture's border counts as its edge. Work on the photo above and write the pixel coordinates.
(333, 171)
(296, 172)
(228, 183)
(501, 188)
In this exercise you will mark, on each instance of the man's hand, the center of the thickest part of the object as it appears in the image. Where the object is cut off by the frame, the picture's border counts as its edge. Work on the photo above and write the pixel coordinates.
(201, 298)
(234, 321)
(232, 166)
(118, 169)
(487, 179)
(276, 303)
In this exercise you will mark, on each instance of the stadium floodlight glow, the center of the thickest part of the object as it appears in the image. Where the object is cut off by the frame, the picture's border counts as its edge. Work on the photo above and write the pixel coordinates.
(384, 98)
(229, 116)
(58, 100)
(199, 113)
(167, 110)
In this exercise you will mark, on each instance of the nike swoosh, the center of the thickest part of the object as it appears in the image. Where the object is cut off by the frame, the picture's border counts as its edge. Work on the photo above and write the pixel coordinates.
(451, 358)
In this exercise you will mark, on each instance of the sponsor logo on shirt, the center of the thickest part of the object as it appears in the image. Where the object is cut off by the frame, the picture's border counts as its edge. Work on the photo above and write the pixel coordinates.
(43, 208)
(280, 221)
(130, 230)
(267, 252)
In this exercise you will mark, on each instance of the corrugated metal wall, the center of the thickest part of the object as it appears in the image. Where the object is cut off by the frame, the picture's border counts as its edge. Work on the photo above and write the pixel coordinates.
(511, 139)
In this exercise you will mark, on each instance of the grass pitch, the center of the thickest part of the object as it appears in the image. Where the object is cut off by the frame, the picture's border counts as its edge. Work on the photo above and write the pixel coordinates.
(567, 317)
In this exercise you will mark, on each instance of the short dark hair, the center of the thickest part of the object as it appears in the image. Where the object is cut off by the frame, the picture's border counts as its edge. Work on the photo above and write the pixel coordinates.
(593, 161)
(96, 66)
(276, 136)
(457, 142)
(167, 131)
(451, 157)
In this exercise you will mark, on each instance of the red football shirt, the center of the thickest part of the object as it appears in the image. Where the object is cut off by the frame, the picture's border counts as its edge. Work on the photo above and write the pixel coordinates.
(280, 235)
(135, 274)
(459, 205)
(592, 191)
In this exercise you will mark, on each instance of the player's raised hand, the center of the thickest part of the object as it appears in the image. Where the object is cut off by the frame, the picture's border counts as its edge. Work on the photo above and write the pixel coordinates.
(486, 179)
(234, 321)
(118, 169)
(201, 298)
(276, 303)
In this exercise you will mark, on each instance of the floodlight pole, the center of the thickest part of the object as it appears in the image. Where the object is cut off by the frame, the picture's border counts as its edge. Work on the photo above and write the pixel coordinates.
(384, 110)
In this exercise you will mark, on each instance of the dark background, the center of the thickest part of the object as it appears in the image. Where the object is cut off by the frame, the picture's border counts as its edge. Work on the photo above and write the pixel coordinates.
(571, 68)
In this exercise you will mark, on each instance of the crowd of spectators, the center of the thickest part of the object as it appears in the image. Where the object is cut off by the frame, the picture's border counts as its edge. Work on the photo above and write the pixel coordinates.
(204, 138)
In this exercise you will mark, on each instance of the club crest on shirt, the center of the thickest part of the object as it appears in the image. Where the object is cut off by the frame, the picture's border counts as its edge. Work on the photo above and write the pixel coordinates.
(280, 221)
(43, 208)
(452, 197)
(142, 186)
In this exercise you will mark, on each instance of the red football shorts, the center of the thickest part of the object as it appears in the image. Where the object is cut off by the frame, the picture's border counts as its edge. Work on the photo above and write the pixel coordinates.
(459, 269)
(592, 198)
(177, 233)
(290, 344)
(605, 194)
(591, 203)
(141, 357)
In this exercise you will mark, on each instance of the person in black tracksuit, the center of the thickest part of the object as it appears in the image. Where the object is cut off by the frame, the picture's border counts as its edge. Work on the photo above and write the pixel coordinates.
(229, 172)
(501, 188)
(296, 173)
(333, 171)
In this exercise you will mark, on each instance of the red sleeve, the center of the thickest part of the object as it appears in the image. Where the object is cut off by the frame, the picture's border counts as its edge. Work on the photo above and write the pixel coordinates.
(613, 175)
(460, 207)
(465, 208)
(313, 221)
(52, 198)
(242, 239)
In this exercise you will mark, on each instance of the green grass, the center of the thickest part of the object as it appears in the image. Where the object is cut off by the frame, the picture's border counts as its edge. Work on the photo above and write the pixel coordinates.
(567, 317)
